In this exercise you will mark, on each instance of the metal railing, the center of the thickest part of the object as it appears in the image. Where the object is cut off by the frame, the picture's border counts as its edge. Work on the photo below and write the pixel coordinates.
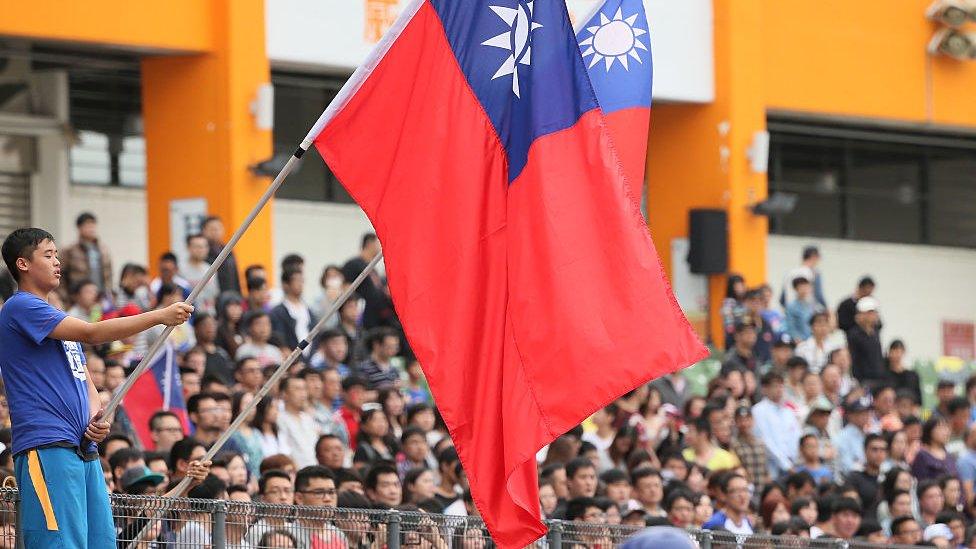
(222, 524)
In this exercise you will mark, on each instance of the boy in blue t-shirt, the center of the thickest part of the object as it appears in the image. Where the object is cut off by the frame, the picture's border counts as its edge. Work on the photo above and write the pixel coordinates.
(54, 407)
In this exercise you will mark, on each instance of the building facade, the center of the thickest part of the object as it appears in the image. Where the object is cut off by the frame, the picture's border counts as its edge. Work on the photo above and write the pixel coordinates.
(150, 115)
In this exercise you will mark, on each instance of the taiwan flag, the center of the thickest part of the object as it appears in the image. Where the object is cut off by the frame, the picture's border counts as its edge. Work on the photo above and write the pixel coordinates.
(158, 388)
(517, 257)
(616, 48)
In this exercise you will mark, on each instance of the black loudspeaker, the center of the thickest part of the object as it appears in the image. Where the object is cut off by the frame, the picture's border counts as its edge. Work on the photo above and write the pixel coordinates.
(708, 241)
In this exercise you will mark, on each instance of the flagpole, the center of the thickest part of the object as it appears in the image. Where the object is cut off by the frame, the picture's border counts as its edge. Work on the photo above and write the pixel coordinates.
(218, 262)
(272, 381)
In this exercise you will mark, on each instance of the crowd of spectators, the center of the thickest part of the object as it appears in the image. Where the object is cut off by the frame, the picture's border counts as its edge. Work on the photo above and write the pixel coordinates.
(810, 427)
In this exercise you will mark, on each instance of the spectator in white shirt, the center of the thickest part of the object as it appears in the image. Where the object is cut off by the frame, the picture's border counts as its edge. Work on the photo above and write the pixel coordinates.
(816, 350)
(297, 427)
(776, 425)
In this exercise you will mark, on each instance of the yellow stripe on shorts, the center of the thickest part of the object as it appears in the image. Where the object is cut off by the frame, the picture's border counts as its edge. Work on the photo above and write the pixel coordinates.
(40, 488)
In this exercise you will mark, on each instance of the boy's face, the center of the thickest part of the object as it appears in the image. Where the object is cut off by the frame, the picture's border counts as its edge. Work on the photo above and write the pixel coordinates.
(43, 269)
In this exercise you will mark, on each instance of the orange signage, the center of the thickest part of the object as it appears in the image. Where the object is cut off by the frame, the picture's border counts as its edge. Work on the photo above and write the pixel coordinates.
(380, 15)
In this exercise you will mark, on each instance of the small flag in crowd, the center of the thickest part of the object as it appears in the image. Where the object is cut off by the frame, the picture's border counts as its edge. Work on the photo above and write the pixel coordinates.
(517, 258)
(158, 388)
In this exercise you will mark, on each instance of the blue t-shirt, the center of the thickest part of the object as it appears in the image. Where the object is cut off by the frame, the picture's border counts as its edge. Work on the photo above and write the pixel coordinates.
(47, 388)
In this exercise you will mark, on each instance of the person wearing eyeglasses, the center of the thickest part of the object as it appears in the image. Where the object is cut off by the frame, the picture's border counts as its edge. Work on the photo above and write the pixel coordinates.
(315, 493)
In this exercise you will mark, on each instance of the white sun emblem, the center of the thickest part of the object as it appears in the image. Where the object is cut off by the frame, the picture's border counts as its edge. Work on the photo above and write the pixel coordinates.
(516, 40)
(614, 39)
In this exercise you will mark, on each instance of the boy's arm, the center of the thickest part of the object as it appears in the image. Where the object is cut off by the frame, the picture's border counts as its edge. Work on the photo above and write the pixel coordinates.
(96, 333)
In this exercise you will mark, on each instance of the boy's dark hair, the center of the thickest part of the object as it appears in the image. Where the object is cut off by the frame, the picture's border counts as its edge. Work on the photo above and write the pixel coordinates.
(268, 475)
(168, 256)
(21, 244)
(641, 473)
(576, 508)
(84, 217)
(193, 403)
(306, 474)
(956, 404)
(798, 503)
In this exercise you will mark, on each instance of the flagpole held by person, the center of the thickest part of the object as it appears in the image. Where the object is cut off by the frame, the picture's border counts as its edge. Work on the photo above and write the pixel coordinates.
(54, 407)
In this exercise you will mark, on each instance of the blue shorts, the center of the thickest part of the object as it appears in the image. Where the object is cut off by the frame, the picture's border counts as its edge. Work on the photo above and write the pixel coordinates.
(64, 501)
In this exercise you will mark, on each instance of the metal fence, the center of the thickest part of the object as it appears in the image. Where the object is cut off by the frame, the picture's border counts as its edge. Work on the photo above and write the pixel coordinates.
(180, 523)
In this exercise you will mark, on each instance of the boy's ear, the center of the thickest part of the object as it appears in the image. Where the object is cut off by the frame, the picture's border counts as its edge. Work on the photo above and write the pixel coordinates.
(22, 264)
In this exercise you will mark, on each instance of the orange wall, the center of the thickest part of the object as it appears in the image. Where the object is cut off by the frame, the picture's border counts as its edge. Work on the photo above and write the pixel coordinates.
(697, 153)
(181, 25)
(201, 137)
(863, 59)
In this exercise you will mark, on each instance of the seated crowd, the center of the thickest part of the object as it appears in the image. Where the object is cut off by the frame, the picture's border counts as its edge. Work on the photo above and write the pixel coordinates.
(808, 428)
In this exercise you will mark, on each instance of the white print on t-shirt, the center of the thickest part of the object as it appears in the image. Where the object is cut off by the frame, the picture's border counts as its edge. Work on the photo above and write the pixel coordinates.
(76, 359)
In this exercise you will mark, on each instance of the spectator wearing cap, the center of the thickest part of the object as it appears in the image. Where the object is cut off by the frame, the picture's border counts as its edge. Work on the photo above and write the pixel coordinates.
(818, 423)
(734, 517)
(801, 310)
(88, 258)
(816, 349)
(780, 355)
(933, 460)
(850, 440)
(776, 425)
(808, 270)
(847, 309)
(864, 342)
(845, 518)
(740, 355)
(937, 535)
(750, 450)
